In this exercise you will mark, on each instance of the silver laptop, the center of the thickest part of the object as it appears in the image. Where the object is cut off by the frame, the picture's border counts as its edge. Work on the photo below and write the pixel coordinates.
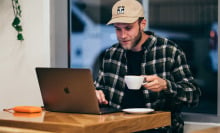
(69, 90)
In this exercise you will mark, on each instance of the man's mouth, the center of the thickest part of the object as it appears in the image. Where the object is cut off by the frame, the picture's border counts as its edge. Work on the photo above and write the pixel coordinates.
(125, 41)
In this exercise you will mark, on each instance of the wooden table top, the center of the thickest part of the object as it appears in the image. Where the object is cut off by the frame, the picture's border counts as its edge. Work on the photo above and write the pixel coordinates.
(208, 130)
(4, 129)
(85, 123)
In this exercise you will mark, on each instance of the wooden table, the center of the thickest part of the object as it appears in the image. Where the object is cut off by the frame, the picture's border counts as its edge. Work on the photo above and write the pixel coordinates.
(208, 130)
(4, 129)
(85, 123)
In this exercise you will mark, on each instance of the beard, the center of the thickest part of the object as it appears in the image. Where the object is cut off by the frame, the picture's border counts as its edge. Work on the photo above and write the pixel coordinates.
(134, 42)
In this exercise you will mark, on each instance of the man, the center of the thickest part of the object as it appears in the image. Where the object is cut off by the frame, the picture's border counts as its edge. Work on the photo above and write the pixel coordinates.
(169, 85)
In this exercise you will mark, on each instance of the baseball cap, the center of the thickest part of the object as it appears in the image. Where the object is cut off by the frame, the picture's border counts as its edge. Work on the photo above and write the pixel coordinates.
(126, 11)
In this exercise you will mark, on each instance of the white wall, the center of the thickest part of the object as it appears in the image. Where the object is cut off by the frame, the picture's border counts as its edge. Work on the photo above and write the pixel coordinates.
(18, 83)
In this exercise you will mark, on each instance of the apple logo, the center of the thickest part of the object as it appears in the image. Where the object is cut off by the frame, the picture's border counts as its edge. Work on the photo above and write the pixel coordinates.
(66, 90)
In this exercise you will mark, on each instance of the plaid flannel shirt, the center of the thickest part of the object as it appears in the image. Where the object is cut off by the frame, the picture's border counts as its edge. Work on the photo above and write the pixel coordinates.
(163, 58)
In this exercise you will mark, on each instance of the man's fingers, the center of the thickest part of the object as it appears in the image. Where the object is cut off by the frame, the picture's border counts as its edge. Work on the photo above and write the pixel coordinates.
(101, 97)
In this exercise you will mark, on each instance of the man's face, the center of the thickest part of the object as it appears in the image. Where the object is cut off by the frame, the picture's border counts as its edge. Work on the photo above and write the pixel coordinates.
(128, 35)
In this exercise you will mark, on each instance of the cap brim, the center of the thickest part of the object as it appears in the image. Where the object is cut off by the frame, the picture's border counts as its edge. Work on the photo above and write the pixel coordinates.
(122, 20)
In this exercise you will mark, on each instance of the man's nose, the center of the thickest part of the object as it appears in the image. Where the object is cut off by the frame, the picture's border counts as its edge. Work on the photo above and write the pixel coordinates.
(123, 34)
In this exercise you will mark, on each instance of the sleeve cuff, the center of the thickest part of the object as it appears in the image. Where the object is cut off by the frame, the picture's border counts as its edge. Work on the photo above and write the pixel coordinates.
(169, 89)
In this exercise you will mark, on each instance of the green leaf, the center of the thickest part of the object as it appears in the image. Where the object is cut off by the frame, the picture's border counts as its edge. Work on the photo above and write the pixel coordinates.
(16, 21)
(20, 36)
(18, 28)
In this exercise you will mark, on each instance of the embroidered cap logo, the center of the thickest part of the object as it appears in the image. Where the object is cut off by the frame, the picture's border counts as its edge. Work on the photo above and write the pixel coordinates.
(121, 10)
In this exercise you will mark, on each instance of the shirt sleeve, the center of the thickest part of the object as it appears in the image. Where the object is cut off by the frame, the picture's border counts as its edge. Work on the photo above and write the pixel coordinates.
(99, 81)
(183, 86)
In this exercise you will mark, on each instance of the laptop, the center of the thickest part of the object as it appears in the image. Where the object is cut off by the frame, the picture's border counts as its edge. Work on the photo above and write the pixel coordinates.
(69, 90)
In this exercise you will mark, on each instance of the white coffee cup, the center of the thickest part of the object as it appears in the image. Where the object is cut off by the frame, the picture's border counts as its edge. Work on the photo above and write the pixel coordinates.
(134, 82)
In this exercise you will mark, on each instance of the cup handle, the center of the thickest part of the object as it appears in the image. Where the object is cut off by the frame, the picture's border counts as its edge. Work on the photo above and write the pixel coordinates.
(144, 83)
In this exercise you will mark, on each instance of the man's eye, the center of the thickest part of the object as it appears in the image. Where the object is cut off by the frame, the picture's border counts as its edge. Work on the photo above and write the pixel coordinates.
(117, 29)
(128, 28)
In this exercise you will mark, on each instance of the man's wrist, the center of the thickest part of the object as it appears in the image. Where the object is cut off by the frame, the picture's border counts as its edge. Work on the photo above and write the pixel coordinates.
(165, 85)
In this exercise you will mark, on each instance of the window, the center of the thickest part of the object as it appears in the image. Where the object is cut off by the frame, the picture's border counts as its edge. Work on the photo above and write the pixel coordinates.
(89, 37)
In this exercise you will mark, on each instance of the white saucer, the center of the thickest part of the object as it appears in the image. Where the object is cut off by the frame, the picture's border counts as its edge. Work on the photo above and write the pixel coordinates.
(138, 110)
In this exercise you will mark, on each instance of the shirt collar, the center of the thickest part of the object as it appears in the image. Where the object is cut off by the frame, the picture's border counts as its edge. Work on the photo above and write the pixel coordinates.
(149, 43)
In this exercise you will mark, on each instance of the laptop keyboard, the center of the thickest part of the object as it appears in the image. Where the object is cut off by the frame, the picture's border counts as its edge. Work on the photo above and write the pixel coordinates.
(104, 110)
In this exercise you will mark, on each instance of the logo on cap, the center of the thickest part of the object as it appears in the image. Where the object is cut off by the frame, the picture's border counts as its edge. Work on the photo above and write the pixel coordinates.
(120, 10)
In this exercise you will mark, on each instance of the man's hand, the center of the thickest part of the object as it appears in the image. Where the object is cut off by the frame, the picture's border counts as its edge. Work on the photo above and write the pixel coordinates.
(101, 97)
(155, 83)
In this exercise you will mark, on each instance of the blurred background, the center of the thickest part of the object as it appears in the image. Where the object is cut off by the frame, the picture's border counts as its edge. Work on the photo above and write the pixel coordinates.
(192, 24)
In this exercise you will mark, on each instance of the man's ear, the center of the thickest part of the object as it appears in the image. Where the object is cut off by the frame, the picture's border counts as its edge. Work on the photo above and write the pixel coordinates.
(143, 24)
